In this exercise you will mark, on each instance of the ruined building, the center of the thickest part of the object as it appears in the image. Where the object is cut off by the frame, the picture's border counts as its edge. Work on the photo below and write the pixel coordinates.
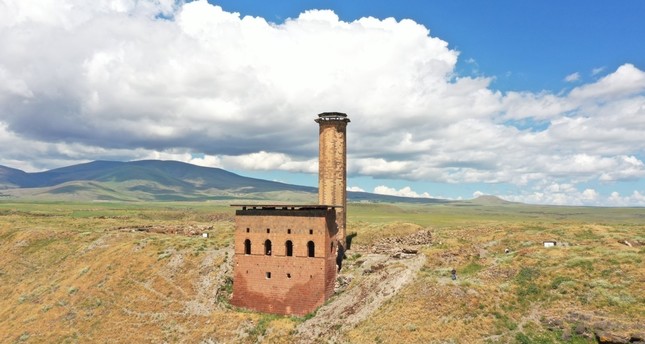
(285, 255)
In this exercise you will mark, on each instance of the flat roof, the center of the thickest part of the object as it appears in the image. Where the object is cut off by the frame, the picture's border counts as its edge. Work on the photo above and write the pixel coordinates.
(286, 206)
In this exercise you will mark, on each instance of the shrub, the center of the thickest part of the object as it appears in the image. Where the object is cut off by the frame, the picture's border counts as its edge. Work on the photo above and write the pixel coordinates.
(559, 280)
(522, 338)
(529, 290)
(526, 275)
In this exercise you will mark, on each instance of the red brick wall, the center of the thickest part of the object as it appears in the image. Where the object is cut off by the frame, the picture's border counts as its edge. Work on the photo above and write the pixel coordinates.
(311, 279)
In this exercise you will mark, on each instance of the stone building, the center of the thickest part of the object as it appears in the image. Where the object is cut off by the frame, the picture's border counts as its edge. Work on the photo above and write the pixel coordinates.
(285, 255)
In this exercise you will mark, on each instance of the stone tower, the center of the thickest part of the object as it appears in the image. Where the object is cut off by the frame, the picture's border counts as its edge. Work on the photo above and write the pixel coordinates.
(332, 165)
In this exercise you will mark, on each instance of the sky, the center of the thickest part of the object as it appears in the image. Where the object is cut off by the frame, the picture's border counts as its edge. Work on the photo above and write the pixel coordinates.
(541, 102)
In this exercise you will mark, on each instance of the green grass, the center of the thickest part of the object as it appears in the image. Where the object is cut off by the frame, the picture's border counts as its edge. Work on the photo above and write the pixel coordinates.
(470, 269)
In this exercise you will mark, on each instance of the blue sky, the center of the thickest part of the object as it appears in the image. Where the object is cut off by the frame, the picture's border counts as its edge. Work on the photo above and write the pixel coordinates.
(530, 46)
(539, 102)
(525, 45)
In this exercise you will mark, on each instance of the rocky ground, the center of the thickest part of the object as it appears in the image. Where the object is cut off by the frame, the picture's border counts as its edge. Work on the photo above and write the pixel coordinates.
(370, 276)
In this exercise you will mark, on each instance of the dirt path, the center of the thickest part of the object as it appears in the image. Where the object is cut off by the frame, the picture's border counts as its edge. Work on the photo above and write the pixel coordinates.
(370, 281)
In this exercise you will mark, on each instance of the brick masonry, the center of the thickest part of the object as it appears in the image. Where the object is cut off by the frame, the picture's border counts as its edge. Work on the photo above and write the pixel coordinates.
(275, 277)
(297, 284)
(332, 167)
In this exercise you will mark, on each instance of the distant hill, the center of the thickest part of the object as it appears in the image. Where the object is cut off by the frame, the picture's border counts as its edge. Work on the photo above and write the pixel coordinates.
(11, 177)
(489, 200)
(157, 180)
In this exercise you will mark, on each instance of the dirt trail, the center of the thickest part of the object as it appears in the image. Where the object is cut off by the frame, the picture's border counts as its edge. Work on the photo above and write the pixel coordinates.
(364, 285)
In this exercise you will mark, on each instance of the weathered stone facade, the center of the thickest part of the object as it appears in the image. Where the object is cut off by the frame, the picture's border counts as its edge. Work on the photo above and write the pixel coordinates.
(284, 258)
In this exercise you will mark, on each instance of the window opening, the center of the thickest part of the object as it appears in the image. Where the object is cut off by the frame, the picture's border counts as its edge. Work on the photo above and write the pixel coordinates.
(268, 230)
(267, 247)
(311, 231)
(289, 248)
(268, 275)
(311, 249)
(247, 246)
(248, 230)
(288, 275)
(288, 231)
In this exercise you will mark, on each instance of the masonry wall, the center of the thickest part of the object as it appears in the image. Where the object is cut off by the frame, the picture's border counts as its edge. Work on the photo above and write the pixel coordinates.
(297, 284)
(332, 169)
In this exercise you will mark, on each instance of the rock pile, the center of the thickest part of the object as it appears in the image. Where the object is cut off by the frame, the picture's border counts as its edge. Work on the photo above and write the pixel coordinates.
(402, 247)
(189, 230)
(594, 327)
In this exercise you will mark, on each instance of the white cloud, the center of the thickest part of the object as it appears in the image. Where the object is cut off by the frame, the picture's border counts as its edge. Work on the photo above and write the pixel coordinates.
(268, 161)
(572, 77)
(637, 198)
(626, 80)
(478, 194)
(355, 189)
(597, 70)
(590, 195)
(376, 167)
(558, 194)
(403, 192)
(244, 92)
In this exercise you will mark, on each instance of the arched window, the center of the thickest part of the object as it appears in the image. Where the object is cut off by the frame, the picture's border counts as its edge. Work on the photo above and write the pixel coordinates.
(289, 248)
(247, 246)
(267, 247)
(311, 249)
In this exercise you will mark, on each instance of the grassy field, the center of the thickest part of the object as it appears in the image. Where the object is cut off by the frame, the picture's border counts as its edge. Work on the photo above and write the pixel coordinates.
(131, 272)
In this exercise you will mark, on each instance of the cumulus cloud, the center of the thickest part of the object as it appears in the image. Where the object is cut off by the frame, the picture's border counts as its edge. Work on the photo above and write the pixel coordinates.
(135, 79)
(355, 189)
(269, 161)
(637, 198)
(558, 194)
(625, 81)
(403, 192)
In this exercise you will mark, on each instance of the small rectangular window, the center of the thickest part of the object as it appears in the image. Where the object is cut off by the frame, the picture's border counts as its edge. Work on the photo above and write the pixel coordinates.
(311, 231)
(268, 274)
(288, 231)
(248, 230)
(268, 230)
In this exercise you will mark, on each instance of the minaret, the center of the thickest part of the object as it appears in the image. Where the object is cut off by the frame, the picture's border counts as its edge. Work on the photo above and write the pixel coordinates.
(332, 165)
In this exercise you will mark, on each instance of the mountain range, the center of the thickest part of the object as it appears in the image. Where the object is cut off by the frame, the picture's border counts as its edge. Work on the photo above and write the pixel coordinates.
(157, 180)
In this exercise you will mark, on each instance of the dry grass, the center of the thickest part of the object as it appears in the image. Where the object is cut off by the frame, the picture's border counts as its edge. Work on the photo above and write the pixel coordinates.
(502, 297)
(73, 279)
(67, 276)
